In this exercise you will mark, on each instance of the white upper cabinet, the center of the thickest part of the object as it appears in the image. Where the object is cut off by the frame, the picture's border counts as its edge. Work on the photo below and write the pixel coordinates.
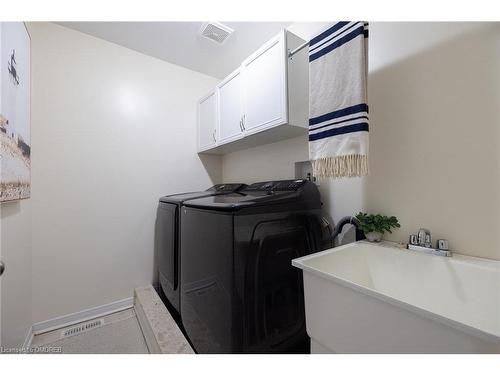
(265, 100)
(230, 108)
(265, 86)
(207, 122)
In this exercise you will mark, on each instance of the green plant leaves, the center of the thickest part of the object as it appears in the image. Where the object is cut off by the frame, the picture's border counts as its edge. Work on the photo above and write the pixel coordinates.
(376, 223)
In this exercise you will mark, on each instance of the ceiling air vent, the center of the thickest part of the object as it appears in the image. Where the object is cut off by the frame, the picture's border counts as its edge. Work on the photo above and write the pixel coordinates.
(215, 31)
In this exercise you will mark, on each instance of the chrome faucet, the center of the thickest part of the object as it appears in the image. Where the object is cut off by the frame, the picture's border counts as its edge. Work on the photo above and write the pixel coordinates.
(422, 242)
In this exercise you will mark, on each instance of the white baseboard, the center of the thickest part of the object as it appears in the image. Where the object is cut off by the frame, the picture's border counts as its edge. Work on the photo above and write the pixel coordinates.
(82, 316)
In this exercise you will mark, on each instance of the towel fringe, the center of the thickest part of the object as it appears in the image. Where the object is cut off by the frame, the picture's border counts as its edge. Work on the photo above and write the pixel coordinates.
(341, 166)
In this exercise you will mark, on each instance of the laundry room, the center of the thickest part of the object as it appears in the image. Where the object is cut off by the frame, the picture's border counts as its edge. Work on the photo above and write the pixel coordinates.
(296, 186)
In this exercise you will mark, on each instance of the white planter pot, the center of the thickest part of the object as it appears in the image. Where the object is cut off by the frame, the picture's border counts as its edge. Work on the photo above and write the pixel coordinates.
(373, 236)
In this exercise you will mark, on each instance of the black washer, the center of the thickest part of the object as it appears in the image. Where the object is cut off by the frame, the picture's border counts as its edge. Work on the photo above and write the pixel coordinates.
(240, 293)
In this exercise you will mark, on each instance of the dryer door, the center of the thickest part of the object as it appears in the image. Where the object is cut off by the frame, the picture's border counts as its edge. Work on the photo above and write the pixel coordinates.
(273, 295)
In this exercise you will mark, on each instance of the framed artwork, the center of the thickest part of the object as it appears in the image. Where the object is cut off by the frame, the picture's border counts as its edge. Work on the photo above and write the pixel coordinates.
(15, 140)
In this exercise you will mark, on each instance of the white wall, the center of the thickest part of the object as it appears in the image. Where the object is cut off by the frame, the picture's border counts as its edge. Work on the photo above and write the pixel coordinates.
(112, 131)
(15, 243)
(434, 92)
(434, 135)
(268, 162)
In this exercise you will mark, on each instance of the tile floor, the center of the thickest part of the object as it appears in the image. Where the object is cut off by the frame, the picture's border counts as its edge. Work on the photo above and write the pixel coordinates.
(120, 334)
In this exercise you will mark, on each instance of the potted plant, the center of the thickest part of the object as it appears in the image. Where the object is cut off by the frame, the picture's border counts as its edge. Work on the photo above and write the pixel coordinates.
(374, 226)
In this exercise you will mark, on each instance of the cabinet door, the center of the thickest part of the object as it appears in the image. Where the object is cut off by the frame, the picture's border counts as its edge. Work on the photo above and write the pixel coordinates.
(265, 86)
(230, 108)
(207, 120)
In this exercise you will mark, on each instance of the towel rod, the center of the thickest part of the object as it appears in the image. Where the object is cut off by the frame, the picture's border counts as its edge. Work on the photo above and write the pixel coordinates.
(294, 51)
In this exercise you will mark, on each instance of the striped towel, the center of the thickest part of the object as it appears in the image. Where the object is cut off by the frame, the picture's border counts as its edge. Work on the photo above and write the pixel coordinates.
(338, 113)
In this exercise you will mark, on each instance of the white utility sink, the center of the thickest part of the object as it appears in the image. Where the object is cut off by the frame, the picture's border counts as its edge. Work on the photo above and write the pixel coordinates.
(379, 298)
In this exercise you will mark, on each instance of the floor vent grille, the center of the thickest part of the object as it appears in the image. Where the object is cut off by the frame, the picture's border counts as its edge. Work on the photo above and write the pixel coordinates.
(82, 328)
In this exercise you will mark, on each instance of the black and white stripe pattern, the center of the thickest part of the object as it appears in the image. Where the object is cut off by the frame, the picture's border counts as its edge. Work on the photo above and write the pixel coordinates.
(343, 121)
(338, 113)
(335, 36)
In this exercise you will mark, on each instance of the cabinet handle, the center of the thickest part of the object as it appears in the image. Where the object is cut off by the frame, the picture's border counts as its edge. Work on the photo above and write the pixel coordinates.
(243, 122)
(213, 135)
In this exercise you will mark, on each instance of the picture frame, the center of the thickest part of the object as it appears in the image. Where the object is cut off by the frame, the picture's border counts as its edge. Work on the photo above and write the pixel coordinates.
(15, 117)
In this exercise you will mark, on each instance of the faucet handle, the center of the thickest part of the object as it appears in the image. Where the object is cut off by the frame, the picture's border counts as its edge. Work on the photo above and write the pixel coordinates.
(442, 244)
